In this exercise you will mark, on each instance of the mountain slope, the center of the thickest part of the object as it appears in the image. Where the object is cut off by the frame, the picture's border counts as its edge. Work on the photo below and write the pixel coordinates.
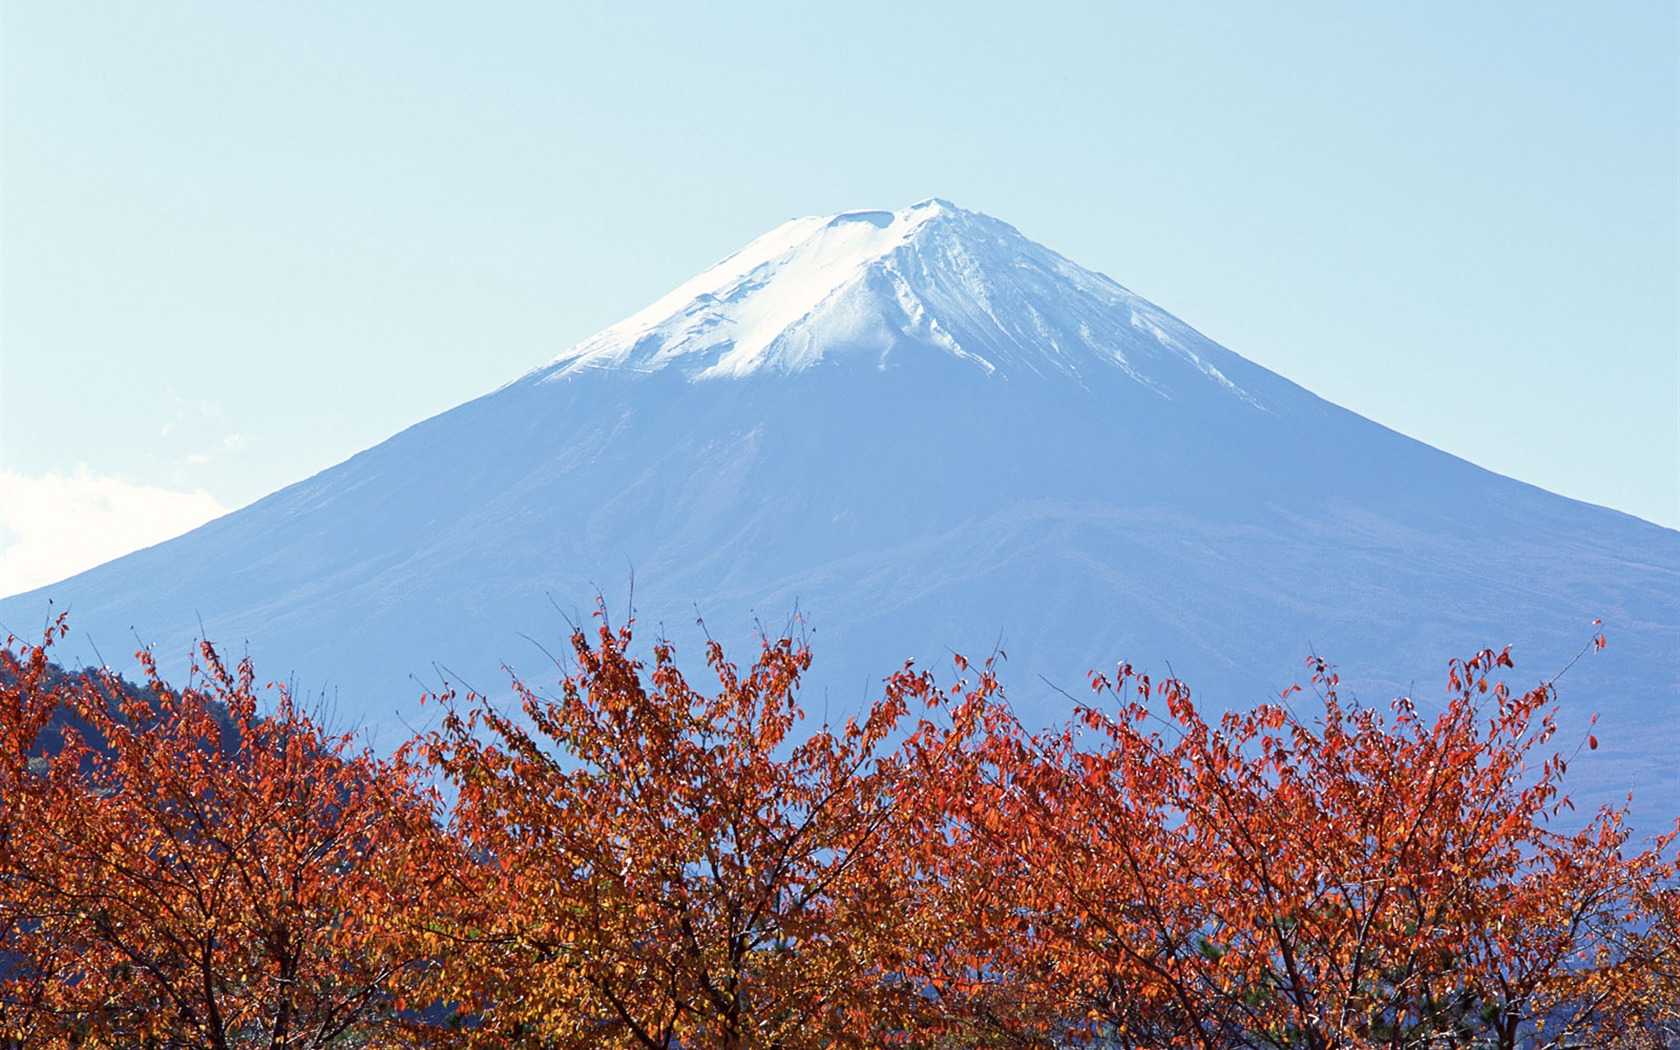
(926, 433)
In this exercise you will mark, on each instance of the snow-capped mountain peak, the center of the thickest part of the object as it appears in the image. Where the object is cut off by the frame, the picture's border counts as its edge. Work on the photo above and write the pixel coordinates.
(869, 286)
(923, 433)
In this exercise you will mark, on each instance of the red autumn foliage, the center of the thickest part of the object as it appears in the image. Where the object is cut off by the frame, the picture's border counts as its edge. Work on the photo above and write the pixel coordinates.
(1338, 878)
(644, 864)
(187, 872)
(634, 861)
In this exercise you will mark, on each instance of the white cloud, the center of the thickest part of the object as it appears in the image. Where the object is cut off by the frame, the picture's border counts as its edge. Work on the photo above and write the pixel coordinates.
(231, 443)
(185, 411)
(57, 525)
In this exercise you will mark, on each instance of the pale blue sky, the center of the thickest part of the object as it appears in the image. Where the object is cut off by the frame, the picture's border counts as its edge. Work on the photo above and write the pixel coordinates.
(241, 242)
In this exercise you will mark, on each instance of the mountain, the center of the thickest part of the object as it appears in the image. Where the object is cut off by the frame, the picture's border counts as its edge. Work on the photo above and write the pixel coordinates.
(924, 433)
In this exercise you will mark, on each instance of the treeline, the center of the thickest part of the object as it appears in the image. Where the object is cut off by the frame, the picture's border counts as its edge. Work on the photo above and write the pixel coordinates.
(634, 861)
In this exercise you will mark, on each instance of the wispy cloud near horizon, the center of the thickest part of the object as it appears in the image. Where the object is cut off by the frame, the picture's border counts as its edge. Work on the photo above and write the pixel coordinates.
(56, 525)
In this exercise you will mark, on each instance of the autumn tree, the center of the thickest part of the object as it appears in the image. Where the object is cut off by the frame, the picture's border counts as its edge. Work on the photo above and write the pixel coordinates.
(631, 861)
(1333, 879)
(655, 865)
(187, 870)
(29, 962)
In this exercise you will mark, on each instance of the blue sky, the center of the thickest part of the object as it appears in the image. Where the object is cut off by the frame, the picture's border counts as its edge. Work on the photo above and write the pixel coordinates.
(241, 242)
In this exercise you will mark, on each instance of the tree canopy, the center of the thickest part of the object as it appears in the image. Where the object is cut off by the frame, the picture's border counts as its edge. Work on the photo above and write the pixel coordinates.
(633, 859)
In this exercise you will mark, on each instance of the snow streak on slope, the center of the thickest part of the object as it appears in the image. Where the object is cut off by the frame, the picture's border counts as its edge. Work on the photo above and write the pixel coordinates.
(868, 284)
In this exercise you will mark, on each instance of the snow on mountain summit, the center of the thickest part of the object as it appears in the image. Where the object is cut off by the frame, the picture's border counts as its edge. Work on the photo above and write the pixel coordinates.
(920, 433)
(872, 285)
